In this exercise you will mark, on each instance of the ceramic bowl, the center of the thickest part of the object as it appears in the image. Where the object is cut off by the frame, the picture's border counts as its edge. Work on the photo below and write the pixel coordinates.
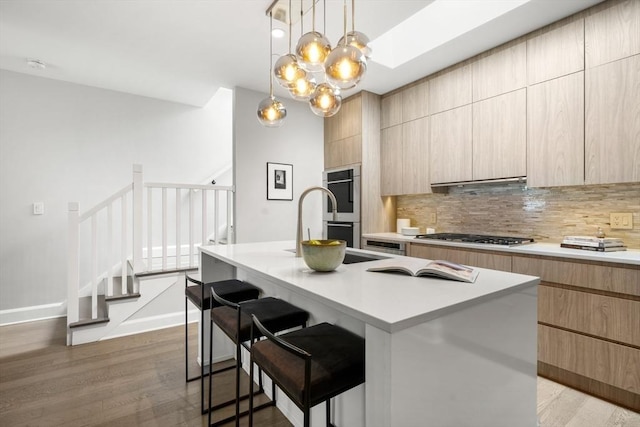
(323, 255)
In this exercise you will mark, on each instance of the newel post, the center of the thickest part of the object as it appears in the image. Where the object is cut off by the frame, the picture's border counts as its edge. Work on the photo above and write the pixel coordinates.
(137, 218)
(73, 267)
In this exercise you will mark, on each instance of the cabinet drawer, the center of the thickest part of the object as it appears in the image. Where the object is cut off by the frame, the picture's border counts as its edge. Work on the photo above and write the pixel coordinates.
(603, 361)
(607, 317)
(623, 280)
(461, 256)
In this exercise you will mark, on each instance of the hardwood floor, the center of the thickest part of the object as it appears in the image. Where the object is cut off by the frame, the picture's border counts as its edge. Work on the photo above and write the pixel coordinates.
(139, 381)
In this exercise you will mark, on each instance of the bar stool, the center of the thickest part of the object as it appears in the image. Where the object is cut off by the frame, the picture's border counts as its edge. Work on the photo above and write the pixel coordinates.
(234, 319)
(310, 365)
(199, 294)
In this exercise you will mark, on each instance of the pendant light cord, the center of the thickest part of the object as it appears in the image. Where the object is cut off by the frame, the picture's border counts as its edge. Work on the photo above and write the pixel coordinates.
(270, 54)
(353, 15)
(313, 15)
(345, 22)
(290, 23)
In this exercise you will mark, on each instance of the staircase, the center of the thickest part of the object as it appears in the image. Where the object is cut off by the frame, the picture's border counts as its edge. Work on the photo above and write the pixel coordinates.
(127, 256)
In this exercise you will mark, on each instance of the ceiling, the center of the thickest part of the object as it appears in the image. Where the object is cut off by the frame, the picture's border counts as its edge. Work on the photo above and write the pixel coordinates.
(184, 50)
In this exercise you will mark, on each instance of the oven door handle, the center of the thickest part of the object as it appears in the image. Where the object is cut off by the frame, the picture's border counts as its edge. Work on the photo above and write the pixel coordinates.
(340, 181)
(339, 225)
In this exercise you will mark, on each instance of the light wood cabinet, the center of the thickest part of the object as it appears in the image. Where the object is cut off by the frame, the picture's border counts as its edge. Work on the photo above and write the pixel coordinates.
(608, 363)
(500, 72)
(500, 136)
(415, 154)
(391, 161)
(450, 90)
(613, 33)
(483, 259)
(415, 101)
(391, 110)
(556, 53)
(592, 314)
(450, 153)
(555, 129)
(404, 158)
(612, 127)
(343, 135)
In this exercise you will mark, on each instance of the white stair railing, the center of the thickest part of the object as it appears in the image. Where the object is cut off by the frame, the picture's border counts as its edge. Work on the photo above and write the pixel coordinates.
(163, 243)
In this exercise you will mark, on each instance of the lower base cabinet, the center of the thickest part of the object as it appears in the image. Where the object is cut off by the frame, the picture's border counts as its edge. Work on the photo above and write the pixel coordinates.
(588, 318)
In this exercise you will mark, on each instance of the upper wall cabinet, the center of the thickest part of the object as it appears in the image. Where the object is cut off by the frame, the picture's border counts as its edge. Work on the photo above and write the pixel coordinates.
(612, 122)
(613, 33)
(391, 110)
(415, 101)
(343, 135)
(501, 72)
(500, 136)
(451, 146)
(555, 129)
(450, 90)
(404, 163)
(556, 53)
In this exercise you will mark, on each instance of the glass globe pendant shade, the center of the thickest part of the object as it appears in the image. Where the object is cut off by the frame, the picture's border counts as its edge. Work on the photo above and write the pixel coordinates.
(325, 101)
(303, 88)
(271, 112)
(312, 50)
(287, 70)
(359, 41)
(345, 66)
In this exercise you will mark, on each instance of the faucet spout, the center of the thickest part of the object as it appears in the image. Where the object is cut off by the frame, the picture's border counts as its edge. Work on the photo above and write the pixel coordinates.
(334, 204)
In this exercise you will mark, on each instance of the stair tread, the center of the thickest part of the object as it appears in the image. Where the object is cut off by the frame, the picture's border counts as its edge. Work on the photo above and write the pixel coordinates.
(132, 295)
(87, 322)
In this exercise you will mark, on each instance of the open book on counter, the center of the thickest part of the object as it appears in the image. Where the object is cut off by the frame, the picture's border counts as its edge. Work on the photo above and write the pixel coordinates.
(420, 267)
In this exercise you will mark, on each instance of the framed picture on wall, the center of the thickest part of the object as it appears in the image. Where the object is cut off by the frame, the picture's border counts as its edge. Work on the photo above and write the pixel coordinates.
(279, 181)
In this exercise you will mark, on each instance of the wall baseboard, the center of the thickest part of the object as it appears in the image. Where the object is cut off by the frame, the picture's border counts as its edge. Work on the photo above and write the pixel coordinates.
(32, 313)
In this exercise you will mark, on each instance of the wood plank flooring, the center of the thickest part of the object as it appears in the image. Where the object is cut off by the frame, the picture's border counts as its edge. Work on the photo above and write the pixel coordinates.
(139, 381)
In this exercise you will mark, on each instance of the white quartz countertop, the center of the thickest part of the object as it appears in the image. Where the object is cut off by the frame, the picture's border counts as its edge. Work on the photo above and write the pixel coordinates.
(630, 256)
(390, 302)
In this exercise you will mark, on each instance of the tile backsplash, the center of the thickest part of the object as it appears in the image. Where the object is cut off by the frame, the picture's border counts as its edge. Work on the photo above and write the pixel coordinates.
(546, 214)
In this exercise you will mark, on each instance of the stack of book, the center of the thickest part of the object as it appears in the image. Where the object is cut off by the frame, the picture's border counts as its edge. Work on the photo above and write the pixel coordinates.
(598, 244)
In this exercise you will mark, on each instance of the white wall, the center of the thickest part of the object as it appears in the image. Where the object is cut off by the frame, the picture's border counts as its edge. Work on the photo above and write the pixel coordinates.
(62, 142)
(299, 141)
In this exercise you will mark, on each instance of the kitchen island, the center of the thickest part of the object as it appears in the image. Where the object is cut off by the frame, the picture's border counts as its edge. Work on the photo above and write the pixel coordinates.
(438, 352)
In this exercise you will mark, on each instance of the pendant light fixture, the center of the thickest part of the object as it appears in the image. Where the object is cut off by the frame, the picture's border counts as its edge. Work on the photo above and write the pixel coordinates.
(271, 112)
(325, 100)
(303, 87)
(356, 38)
(346, 64)
(313, 47)
(287, 70)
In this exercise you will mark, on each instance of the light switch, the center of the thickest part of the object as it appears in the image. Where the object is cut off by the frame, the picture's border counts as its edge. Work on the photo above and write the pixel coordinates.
(38, 208)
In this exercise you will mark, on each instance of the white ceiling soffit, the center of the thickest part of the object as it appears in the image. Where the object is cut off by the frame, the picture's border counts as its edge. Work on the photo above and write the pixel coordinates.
(183, 50)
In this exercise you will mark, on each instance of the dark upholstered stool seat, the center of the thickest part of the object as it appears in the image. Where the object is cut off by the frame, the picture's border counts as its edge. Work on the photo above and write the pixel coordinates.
(274, 313)
(337, 362)
(232, 290)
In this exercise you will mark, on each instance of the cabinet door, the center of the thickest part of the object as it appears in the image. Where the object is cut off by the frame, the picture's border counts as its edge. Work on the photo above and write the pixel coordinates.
(450, 89)
(391, 161)
(501, 72)
(391, 110)
(480, 259)
(415, 153)
(555, 128)
(350, 117)
(556, 53)
(450, 146)
(613, 33)
(612, 128)
(500, 136)
(415, 102)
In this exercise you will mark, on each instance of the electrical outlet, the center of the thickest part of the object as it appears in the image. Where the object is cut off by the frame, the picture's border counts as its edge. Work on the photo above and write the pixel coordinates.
(621, 221)
(38, 208)
(432, 218)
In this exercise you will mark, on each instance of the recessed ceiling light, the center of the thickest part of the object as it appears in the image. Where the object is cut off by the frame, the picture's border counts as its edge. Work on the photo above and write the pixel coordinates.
(36, 64)
(277, 33)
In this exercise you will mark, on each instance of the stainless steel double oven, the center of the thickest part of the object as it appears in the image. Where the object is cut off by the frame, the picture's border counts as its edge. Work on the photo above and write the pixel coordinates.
(345, 184)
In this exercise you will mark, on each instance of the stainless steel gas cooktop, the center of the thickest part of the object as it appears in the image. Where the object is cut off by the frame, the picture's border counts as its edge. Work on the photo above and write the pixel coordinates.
(477, 238)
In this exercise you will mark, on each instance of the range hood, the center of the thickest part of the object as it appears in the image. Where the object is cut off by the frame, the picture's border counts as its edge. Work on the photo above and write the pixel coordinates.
(518, 179)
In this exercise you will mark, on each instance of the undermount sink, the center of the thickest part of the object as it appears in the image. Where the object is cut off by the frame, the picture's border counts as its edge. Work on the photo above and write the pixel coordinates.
(354, 258)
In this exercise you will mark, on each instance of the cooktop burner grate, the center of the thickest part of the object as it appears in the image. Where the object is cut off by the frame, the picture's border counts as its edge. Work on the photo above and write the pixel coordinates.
(477, 238)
